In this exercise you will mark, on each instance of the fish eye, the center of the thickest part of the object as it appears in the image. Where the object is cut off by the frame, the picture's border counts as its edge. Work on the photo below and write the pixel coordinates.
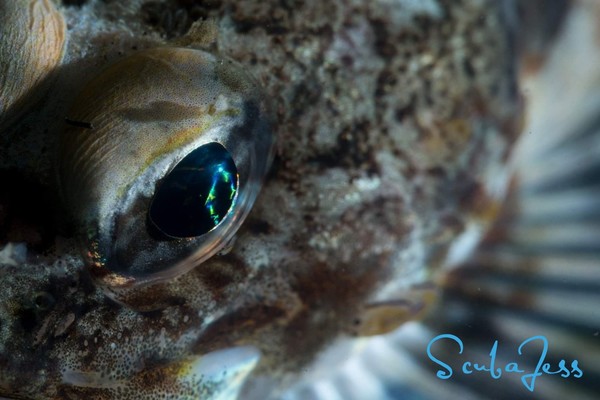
(197, 194)
(162, 159)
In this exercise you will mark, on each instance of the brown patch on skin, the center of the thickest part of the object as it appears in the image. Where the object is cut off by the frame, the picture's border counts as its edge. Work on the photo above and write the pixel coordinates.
(354, 150)
(173, 18)
(27, 326)
(479, 204)
(457, 133)
(237, 328)
(330, 301)
(532, 64)
(220, 273)
(272, 18)
(446, 140)
(304, 95)
(73, 392)
(158, 375)
(385, 47)
(151, 298)
(258, 226)
(216, 279)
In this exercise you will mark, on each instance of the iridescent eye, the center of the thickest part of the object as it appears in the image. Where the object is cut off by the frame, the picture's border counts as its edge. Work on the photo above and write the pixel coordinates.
(162, 160)
(197, 194)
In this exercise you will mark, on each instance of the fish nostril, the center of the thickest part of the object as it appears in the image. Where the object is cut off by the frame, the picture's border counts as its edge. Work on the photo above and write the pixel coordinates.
(43, 301)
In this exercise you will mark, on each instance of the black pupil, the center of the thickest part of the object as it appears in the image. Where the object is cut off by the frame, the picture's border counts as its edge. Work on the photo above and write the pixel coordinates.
(197, 194)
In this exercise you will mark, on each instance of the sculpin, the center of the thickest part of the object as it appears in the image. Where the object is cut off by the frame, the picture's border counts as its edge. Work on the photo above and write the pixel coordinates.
(365, 149)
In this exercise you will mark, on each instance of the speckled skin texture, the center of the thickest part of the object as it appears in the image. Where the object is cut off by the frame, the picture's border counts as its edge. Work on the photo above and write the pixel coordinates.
(394, 120)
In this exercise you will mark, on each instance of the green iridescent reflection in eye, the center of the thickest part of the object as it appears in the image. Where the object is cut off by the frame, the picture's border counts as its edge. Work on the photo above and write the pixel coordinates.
(197, 194)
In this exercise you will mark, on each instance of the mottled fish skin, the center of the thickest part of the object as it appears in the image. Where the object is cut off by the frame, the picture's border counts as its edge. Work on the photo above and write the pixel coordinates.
(395, 121)
(537, 271)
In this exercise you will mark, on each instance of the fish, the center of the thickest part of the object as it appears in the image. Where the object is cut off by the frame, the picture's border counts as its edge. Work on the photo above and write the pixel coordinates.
(434, 172)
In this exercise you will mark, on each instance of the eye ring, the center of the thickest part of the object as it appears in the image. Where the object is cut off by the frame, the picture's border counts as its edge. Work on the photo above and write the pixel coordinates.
(157, 124)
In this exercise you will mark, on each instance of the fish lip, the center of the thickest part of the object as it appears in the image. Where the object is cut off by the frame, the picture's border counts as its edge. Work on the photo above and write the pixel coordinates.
(219, 374)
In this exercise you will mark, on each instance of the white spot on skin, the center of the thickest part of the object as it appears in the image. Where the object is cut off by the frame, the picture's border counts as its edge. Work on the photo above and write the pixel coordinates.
(186, 319)
(403, 12)
(464, 244)
(367, 184)
(162, 341)
(221, 104)
(256, 254)
(89, 379)
(13, 254)
(324, 241)
(207, 321)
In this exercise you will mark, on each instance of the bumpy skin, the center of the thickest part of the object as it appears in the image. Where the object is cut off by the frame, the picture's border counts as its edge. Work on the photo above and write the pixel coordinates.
(393, 121)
